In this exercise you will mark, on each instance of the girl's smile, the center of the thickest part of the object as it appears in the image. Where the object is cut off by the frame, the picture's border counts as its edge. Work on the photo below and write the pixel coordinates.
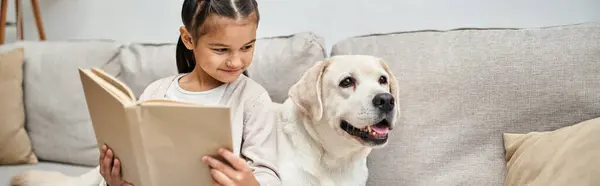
(233, 71)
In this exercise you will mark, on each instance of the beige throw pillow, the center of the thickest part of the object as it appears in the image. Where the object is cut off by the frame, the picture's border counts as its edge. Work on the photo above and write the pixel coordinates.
(15, 145)
(567, 156)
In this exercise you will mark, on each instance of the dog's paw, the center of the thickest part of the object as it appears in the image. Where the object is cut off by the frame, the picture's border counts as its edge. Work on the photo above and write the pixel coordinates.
(19, 180)
(37, 178)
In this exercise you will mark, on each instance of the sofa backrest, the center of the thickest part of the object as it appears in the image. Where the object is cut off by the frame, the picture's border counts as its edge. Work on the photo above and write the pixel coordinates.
(462, 89)
(278, 63)
(57, 118)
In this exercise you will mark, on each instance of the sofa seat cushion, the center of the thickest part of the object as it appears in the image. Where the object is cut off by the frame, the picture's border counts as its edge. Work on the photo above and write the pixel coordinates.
(8, 171)
(460, 90)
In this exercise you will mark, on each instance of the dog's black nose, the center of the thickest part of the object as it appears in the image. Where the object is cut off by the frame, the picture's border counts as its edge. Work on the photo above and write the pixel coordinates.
(384, 102)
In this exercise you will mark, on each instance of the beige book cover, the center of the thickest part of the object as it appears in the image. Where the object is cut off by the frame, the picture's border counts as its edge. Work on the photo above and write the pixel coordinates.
(159, 142)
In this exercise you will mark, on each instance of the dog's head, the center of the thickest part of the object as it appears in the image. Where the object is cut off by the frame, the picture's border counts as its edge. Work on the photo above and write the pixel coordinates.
(351, 98)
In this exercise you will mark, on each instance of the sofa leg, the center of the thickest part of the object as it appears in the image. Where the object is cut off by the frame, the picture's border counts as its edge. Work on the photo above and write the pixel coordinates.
(3, 11)
(19, 17)
(38, 19)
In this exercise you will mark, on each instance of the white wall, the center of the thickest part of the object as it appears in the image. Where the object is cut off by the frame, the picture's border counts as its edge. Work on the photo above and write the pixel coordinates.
(158, 20)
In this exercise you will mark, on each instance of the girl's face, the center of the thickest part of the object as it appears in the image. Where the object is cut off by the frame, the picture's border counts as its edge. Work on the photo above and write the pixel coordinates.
(226, 50)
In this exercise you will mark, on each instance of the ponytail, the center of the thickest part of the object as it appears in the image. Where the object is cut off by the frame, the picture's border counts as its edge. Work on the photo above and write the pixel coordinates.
(185, 58)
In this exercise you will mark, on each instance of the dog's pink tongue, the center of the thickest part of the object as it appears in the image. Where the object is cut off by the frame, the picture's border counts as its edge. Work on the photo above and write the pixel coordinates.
(380, 129)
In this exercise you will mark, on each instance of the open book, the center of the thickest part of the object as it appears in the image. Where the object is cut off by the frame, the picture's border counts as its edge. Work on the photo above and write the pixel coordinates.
(159, 142)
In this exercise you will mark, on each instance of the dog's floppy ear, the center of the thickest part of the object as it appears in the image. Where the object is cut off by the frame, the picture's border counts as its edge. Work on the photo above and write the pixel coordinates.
(306, 93)
(393, 83)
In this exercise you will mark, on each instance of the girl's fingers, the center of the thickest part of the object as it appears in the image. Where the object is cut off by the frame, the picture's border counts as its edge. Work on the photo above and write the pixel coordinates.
(102, 152)
(116, 169)
(237, 162)
(102, 155)
(215, 183)
(221, 167)
(106, 163)
(221, 178)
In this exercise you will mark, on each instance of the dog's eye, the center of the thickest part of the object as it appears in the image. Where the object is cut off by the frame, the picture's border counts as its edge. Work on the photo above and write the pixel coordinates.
(347, 82)
(383, 80)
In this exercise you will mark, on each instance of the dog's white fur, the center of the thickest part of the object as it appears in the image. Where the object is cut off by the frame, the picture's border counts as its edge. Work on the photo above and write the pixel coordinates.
(312, 147)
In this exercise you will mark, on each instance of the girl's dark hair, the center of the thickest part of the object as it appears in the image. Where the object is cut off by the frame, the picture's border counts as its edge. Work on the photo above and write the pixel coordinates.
(194, 14)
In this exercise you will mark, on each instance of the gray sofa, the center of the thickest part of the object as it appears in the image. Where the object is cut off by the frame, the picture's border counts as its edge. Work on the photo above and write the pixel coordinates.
(460, 91)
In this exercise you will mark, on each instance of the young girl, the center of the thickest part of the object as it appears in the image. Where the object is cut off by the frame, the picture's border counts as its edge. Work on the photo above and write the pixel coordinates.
(214, 49)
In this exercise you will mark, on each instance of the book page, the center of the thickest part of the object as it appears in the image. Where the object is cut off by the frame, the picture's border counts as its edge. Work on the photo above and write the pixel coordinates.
(115, 124)
(168, 102)
(116, 83)
(176, 137)
(164, 101)
(109, 87)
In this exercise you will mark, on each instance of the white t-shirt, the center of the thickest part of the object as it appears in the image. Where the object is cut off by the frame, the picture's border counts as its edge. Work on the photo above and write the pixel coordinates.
(209, 97)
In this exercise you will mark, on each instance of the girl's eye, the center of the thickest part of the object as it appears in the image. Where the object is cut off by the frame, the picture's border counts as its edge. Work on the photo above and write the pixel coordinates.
(220, 50)
(248, 47)
(347, 82)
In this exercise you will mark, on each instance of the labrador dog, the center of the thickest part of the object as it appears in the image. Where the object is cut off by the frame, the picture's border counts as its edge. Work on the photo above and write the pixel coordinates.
(340, 109)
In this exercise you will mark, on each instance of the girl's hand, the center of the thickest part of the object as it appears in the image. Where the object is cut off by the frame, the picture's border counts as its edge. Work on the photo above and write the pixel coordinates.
(224, 175)
(110, 168)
